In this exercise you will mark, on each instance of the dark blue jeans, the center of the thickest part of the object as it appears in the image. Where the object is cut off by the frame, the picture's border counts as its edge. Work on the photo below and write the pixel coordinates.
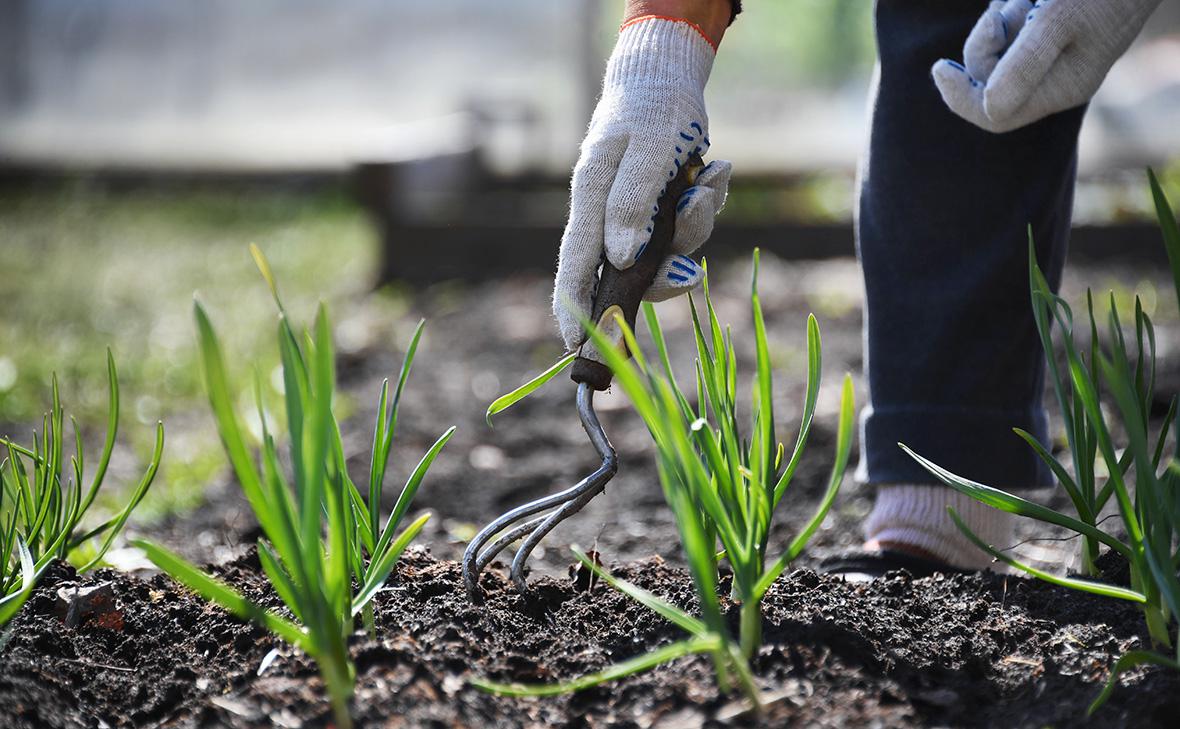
(952, 356)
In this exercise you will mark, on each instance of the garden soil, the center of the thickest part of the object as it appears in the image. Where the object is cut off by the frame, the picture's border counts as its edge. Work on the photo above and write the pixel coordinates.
(979, 650)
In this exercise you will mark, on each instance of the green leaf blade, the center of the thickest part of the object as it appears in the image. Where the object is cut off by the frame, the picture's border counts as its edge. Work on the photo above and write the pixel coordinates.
(504, 402)
(216, 591)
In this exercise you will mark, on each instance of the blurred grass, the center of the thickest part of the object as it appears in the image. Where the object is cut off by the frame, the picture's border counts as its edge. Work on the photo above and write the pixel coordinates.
(820, 43)
(84, 268)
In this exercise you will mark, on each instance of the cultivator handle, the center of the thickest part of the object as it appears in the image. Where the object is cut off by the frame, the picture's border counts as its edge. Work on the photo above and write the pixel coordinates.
(622, 291)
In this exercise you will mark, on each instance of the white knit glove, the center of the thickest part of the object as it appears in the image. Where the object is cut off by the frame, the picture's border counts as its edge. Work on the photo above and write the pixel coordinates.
(650, 118)
(1025, 61)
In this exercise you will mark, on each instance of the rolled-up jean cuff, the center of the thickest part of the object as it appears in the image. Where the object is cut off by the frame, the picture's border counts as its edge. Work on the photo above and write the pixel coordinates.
(981, 446)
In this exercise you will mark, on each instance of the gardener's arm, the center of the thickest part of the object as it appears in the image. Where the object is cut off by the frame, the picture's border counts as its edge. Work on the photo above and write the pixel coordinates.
(712, 16)
(649, 119)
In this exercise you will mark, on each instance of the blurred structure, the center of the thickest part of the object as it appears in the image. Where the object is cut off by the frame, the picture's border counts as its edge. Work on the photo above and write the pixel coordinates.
(467, 114)
(290, 84)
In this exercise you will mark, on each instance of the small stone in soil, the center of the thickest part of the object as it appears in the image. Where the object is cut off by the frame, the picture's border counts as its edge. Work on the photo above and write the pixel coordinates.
(74, 604)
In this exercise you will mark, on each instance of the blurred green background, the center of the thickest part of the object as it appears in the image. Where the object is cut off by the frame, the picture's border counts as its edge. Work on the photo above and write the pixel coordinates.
(110, 222)
(86, 268)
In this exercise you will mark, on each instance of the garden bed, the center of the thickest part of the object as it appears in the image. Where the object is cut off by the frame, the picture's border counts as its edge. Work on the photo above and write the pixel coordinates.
(981, 650)
(956, 651)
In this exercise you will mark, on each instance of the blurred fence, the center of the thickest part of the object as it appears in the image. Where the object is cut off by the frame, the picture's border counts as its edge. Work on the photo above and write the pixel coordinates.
(289, 84)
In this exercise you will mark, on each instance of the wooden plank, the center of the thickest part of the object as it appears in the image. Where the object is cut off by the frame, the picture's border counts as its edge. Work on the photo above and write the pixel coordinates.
(427, 253)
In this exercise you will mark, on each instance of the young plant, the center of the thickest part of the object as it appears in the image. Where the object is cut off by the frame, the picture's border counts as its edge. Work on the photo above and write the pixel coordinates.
(42, 505)
(320, 533)
(11, 603)
(722, 486)
(1150, 512)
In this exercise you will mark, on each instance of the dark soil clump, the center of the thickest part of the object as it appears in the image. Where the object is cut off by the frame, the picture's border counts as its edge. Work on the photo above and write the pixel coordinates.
(975, 650)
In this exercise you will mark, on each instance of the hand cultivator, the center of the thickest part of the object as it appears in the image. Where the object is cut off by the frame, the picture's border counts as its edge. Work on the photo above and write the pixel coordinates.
(619, 293)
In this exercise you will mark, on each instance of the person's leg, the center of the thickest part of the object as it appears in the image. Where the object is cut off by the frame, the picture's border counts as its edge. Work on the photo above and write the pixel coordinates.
(952, 357)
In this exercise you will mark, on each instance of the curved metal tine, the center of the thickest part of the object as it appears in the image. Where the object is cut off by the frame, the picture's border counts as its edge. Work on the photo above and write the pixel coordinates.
(489, 553)
(592, 427)
(592, 486)
(475, 557)
(568, 502)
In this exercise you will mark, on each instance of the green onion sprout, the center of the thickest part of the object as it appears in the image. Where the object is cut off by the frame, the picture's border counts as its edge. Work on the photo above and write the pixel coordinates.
(1145, 489)
(43, 505)
(324, 550)
(722, 486)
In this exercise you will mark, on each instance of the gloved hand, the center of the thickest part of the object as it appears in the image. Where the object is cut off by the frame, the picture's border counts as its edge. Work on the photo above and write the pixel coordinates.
(650, 118)
(1024, 61)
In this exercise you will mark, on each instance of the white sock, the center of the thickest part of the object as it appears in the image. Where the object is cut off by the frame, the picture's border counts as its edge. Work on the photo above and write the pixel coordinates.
(916, 516)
